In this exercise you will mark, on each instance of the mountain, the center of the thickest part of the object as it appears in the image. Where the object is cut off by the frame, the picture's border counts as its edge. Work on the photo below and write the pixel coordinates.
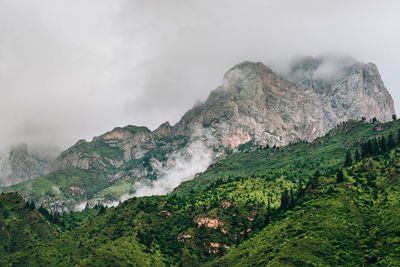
(20, 165)
(280, 206)
(253, 107)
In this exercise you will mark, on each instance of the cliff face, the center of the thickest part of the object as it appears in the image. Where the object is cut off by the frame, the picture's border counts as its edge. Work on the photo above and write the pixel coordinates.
(256, 104)
(20, 165)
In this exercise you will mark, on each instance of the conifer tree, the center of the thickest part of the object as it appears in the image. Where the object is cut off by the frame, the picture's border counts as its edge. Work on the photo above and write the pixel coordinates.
(292, 200)
(340, 176)
(391, 142)
(348, 161)
(285, 200)
(398, 137)
(314, 181)
(268, 212)
(364, 150)
(370, 148)
(357, 156)
(300, 190)
(383, 145)
(375, 147)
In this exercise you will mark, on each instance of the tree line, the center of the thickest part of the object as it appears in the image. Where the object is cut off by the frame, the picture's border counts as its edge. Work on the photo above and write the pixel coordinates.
(373, 147)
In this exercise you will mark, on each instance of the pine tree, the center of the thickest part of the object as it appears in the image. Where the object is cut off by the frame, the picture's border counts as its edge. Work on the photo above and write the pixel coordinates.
(300, 190)
(357, 156)
(364, 150)
(314, 181)
(398, 137)
(391, 142)
(348, 161)
(394, 117)
(102, 209)
(383, 145)
(370, 148)
(285, 200)
(292, 200)
(374, 147)
(340, 176)
(268, 215)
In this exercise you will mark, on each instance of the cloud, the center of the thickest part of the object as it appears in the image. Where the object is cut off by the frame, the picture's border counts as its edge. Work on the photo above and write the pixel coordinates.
(72, 70)
(195, 158)
(326, 67)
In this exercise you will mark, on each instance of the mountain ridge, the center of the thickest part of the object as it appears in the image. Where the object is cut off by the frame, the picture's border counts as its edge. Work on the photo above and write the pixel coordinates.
(253, 106)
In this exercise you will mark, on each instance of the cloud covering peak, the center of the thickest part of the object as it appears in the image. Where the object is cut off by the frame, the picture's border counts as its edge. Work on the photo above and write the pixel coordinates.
(73, 70)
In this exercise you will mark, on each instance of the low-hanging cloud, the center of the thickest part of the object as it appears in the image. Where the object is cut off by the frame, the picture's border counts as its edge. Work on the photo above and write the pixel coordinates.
(195, 158)
(189, 161)
(323, 67)
(75, 69)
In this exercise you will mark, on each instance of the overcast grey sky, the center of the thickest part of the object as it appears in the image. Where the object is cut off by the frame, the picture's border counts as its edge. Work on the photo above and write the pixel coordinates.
(75, 69)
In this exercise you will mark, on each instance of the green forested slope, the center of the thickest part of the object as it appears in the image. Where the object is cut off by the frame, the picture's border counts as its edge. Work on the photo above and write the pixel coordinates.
(21, 224)
(353, 223)
(281, 206)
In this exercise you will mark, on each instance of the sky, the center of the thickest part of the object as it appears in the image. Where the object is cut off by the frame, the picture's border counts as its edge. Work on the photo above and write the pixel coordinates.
(72, 70)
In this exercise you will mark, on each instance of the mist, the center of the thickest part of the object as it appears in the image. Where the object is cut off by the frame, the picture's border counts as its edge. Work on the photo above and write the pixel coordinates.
(194, 158)
(328, 67)
(72, 70)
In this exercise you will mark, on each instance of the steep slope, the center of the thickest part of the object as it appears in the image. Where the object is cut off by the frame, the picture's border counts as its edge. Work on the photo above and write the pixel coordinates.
(236, 210)
(253, 106)
(19, 165)
(353, 223)
(20, 224)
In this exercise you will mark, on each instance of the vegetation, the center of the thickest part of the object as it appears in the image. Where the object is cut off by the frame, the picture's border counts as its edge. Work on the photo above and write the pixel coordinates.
(65, 187)
(302, 205)
(21, 224)
(351, 223)
(295, 161)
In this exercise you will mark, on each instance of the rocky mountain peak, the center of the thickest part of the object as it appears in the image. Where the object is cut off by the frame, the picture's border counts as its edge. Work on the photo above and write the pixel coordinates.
(20, 164)
(253, 106)
(165, 130)
(246, 71)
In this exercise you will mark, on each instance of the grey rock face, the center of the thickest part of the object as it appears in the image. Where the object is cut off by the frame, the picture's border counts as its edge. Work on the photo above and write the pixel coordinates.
(256, 104)
(20, 165)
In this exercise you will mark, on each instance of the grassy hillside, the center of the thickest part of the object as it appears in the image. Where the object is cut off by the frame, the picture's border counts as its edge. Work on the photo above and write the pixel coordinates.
(281, 206)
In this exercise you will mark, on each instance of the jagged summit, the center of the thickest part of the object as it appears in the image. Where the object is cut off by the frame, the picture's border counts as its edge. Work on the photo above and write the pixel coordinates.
(254, 103)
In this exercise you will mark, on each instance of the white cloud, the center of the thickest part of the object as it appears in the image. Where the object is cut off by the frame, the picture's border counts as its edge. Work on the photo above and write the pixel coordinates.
(75, 69)
(195, 158)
